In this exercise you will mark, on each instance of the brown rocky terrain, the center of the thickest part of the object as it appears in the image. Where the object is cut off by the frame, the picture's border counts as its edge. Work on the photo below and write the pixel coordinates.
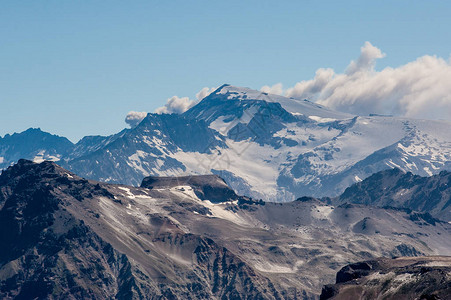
(64, 237)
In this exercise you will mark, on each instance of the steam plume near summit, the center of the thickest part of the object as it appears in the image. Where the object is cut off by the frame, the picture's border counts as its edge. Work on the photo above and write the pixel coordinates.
(133, 118)
(179, 105)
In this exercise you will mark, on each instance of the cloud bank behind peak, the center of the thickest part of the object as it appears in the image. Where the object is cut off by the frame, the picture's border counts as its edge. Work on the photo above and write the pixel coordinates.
(418, 89)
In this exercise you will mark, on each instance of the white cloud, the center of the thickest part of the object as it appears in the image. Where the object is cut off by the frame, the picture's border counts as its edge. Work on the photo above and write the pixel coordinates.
(176, 105)
(133, 118)
(308, 89)
(367, 59)
(205, 92)
(179, 105)
(276, 89)
(419, 89)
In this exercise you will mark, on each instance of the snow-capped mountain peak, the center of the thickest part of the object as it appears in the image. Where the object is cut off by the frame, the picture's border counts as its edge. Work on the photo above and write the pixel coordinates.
(265, 146)
(292, 105)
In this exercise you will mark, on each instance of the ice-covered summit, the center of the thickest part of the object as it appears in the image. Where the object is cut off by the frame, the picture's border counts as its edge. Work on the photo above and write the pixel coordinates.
(292, 105)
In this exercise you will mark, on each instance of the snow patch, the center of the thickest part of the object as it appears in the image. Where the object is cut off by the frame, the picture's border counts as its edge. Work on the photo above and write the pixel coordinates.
(127, 191)
(438, 264)
(322, 212)
(322, 120)
(426, 169)
(258, 165)
(267, 267)
(43, 156)
(221, 126)
(217, 210)
(392, 164)
(136, 162)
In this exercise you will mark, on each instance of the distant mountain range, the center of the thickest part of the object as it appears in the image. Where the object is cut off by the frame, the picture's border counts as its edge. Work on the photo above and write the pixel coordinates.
(398, 189)
(65, 237)
(264, 146)
(33, 144)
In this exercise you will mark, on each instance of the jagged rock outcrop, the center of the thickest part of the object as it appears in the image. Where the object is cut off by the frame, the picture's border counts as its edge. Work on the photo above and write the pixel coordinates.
(399, 278)
(206, 187)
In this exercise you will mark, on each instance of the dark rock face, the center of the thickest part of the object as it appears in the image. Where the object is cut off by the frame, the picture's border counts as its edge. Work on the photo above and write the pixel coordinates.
(399, 278)
(399, 189)
(353, 271)
(206, 187)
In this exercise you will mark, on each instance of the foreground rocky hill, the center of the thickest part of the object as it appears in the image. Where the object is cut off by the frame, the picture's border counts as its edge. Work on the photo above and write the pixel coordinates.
(69, 238)
(399, 278)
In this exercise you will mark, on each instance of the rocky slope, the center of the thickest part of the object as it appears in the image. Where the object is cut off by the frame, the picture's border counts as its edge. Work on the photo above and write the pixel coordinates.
(399, 189)
(264, 146)
(399, 278)
(67, 237)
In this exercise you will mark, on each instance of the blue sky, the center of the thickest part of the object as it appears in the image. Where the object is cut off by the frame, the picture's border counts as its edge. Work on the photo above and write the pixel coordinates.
(76, 68)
